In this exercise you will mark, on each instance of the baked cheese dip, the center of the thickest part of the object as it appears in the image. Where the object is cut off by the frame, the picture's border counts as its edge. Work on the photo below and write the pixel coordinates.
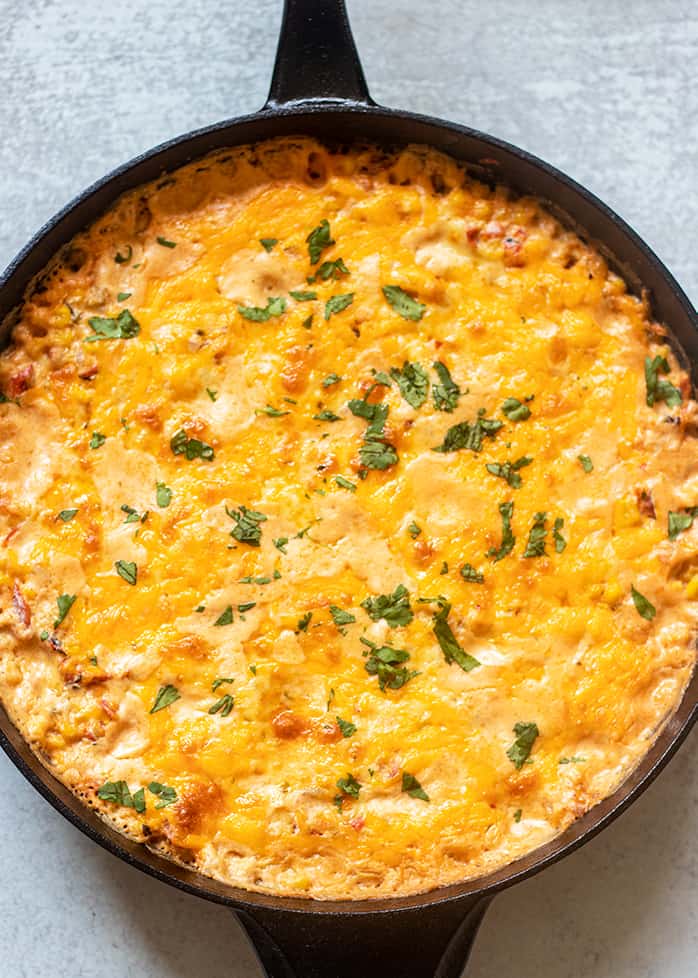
(346, 509)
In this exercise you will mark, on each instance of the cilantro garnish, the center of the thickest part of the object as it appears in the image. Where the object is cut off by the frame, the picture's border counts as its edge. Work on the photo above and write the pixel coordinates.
(660, 390)
(191, 448)
(329, 270)
(341, 618)
(394, 608)
(467, 435)
(586, 463)
(412, 787)
(261, 314)
(247, 528)
(124, 259)
(272, 412)
(163, 495)
(515, 410)
(268, 243)
(225, 617)
(559, 540)
(304, 621)
(447, 392)
(302, 296)
(348, 729)
(319, 239)
(679, 522)
(413, 383)
(403, 304)
(118, 792)
(385, 663)
(349, 787)
(223, 706)
(345, 483)
(414, 530)
(644, 608)
(331, 379)
(326, 415)
(65, 602)
(166, 794)
(536, 537)
(526, 734)
(337, 303)
(509, 471)
(468, 573)
(447, 640)
(508, 539)
(165, 697)
(97, 439)
(132, 515)
(165, 243)
(127, 570)
(66, 515)
(121, 327)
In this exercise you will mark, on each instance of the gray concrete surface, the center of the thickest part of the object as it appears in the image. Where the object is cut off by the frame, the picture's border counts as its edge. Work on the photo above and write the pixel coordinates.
(606, 90)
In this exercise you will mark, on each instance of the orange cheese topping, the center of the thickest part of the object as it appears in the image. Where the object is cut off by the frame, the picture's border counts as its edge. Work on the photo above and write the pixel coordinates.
(217, 453)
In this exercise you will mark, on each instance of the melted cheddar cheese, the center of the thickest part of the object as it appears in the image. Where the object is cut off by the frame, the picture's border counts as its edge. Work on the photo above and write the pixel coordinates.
(335, 494)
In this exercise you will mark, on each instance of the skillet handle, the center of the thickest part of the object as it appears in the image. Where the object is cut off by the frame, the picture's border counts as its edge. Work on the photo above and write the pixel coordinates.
(316, 58)
(427, 942)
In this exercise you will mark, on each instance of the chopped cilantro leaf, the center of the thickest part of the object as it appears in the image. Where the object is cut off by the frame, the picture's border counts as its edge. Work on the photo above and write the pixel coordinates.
(467, 435)
(66, 515)
(124, 259)
(447, 392)
(163, 495)
(515, 410)
(212, 394)
(326, 415)
(385, 663)
(536, 537)
(223, 706)
(304, 621)
(225, 617)
(191, 448)
(97, 440)
(167, 795)
(319, 239)
(349, 787)
(261, 314)
(660, 390)
(586, 463)
(268, 243)
(341, 618)
(337, 303)
(509, 471)
(345, 483)
(165, 243)
(303, 296)
(526, 734)
(393, 608)
(447, 640)
(644, 608)
(468, 573)
(123, 296)
(65, 602)
(127, 570)
(403, 304)
(118, 793)
(414, 530)
(272, 412)
(412, 787)
(347, 729)
(280, 544)
(413, 382)
(679, 522)
(247, 528)
(166, 696)
(121, 327)
(506, 511)
(331, 270)
(559, 540)
(331, 379)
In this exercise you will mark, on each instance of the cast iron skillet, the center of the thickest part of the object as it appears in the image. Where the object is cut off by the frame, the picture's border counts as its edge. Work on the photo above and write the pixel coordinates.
(318, 88)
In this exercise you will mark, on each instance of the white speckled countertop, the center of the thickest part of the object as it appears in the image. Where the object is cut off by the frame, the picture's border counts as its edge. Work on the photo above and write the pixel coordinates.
(605, 90)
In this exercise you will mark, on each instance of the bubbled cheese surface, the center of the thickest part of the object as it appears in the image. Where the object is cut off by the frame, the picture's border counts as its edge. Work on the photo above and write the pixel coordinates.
(514, 306)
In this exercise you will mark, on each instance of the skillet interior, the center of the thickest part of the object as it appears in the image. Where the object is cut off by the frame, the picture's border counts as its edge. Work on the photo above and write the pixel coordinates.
(489, 158)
